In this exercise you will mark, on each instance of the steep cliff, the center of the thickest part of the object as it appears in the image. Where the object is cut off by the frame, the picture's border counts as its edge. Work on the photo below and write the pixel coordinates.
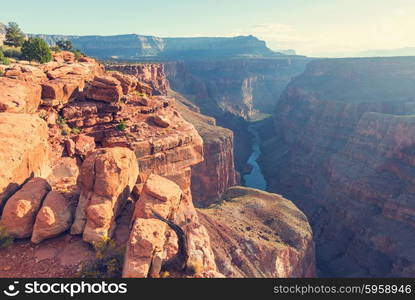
(241, 86)
(342, 152)
(152, 74)
(258, 234)
(216, 173)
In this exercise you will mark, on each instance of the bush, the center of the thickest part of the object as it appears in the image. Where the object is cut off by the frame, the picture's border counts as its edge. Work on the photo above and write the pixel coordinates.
(36, 49)
(75, 130)
(108, 261)
(14, 36)
(55, 49)
(121, 126)
(12, 52)
(3, 60)
(78, 54)
(5, 238)
(65, 45)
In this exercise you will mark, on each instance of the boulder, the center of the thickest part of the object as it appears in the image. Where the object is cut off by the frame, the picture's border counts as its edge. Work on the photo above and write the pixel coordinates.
(53, 218)
(70, 147)
(20, 210)
(161, 121)
(128, 82)
(159, 195)
(24, 151)
(62, 89)
(145, 244)
(104, 88)
(63, 56)
(19, 96)
(107, 178)
(84, 144)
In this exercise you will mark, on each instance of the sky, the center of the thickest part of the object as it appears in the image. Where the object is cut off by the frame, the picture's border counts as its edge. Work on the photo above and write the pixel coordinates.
(311, 27)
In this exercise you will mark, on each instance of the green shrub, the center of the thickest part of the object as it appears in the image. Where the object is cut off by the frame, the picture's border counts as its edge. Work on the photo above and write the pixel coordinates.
(5, 238)
(75, 130)
(65, 45)
(78, 54)
(121, 126)
(108, 261)
(12, 52)
(36, 49)
(14, 36)
(55, 49)
(3, 60)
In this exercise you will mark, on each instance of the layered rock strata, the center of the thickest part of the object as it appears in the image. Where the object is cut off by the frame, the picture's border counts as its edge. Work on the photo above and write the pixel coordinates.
(342, 150)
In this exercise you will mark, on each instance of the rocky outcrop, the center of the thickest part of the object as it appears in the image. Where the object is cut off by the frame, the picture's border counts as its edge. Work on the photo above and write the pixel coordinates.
(107, 178)
(24, 152)
(258, 234)
(124, 133)
(151, 74)
(148, 235)
(342, 152)
(19, 96)
(20, 211)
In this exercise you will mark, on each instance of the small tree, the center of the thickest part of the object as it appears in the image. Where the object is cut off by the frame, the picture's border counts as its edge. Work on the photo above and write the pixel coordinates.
(36, 49)
(65, 45)
(14, 36)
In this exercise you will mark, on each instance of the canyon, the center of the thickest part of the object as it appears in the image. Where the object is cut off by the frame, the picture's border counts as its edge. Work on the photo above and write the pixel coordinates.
(98, 152)
(342, 149)
(334, 139)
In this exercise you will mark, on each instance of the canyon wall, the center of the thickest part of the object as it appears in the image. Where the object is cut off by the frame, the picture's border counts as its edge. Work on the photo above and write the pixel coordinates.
(234, 90)
(241, 86)
(342, 150)
(134, 46)
(216, 173)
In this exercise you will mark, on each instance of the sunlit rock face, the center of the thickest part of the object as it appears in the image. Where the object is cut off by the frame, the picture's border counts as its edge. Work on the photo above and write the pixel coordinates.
(342, 151)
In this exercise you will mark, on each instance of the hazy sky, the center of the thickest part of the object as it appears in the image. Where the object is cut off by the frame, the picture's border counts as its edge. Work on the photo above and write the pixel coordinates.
(312, 27)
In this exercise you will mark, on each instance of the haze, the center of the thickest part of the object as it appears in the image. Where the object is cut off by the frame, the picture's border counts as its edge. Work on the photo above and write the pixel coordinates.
(316, 28)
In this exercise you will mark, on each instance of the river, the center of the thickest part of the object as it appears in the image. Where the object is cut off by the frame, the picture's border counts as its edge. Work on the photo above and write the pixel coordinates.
(255, 179)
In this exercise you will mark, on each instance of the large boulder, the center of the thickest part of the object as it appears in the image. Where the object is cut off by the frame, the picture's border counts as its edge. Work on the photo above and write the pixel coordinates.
(128, 82)
(24, 151)
(145, 244)
(145, 247)
(19, 96)
(107, 178)
(53, 218)
(20, 210)
(159, 195)
(104, 88)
